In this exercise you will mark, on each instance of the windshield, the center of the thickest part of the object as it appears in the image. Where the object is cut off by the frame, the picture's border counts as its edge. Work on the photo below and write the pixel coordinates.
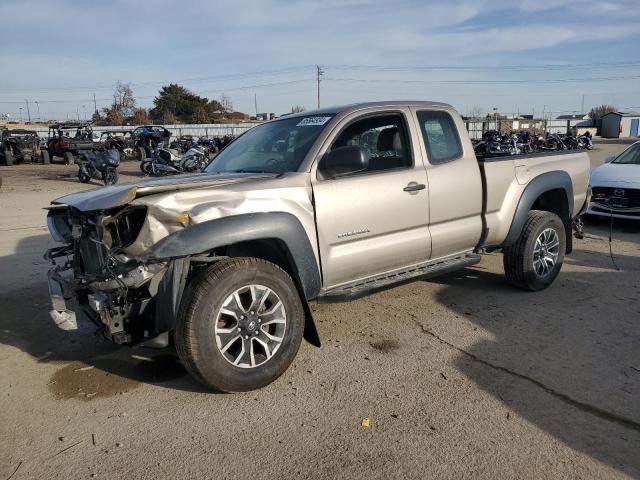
(274, 147)
(631, 156)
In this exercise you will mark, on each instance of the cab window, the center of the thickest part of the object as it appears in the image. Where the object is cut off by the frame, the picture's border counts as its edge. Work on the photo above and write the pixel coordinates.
(440, 136)
(383, 139)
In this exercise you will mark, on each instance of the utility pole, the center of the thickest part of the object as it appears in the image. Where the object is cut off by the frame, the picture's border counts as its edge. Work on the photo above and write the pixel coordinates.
(38, 105)
(582, 107)
(255, 102)
(95, 105)
(319, 74)
(28, 112)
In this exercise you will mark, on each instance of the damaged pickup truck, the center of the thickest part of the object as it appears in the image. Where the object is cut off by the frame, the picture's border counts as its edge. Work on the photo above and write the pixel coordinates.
(325, 206)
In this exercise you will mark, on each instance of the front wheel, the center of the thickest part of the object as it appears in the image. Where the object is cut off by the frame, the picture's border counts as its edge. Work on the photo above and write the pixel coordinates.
(110, 176)
(83, 177)
(535, 260)
(8, 157)
(68, 158)
(240, 325)
(44, 157)
(146, 168)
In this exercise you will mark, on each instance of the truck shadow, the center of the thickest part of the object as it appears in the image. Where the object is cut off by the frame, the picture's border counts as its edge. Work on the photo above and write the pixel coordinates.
(90, 366)
(569, 367)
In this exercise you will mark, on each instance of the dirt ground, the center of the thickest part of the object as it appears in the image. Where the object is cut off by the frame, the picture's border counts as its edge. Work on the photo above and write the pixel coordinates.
(462, 376)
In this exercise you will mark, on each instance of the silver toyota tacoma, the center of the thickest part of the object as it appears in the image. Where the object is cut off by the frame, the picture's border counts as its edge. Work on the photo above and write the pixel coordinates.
(324, 206)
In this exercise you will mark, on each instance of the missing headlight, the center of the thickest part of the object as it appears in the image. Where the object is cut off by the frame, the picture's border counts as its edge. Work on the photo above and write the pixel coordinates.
(122, 229)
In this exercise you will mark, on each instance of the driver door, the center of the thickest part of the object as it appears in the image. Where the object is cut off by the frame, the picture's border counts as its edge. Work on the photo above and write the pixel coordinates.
(374, 221)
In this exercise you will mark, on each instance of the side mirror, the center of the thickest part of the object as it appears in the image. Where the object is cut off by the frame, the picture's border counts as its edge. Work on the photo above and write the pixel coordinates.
(343, 161)
(610, 159)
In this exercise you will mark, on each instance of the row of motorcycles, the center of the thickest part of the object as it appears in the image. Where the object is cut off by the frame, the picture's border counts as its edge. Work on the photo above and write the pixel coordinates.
(494, 143)
(184, 155)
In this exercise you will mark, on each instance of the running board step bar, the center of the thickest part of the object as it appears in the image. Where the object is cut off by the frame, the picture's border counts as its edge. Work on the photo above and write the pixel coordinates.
(363, 288)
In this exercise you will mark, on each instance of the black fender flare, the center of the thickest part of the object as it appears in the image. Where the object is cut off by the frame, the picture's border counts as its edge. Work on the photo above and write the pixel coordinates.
(536, 187)
(282, 226)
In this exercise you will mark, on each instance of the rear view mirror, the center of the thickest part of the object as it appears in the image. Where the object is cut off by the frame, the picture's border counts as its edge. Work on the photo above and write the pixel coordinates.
(343, 161)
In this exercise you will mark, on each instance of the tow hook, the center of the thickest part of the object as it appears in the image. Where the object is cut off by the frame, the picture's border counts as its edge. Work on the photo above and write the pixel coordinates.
(577, 228)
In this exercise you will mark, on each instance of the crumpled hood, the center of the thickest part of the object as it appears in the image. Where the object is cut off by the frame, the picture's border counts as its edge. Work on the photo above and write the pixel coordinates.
(616, 175)
(102, 198)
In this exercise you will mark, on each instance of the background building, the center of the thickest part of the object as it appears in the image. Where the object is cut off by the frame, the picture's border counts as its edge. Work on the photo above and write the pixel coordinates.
(620, 125)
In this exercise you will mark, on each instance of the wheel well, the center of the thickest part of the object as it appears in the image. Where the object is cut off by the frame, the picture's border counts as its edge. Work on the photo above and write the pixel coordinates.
(556, 201)
(275, 251)
(271, 249)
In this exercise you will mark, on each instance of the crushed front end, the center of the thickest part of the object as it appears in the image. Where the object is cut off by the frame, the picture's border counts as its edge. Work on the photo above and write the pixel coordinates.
(92, 270)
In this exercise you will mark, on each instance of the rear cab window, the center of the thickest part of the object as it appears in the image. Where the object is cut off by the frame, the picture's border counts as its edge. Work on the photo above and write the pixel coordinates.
(440, 136)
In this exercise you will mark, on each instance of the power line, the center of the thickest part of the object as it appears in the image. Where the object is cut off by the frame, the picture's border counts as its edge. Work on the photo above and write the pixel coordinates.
(485, 82)
(217, 78)
(485, 67)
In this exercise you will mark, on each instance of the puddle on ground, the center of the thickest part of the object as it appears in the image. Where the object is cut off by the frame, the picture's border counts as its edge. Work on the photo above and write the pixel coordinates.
(385, 346)
(107, 377)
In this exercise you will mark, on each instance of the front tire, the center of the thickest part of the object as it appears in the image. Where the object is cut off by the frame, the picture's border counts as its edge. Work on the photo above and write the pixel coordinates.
(110, 176)
(68, 158)
(8, 157)
(44, 157)
(535, 260)
(240, 325)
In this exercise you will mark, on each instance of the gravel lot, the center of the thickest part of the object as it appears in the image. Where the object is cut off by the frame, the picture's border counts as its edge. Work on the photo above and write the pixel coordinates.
(462, 376)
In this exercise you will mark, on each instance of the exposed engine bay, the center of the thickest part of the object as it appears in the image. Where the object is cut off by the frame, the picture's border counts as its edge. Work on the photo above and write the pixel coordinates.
(115, 290)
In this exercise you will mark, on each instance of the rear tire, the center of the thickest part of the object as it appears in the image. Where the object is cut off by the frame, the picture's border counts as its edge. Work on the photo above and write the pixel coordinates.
(8, 157)
(44, 157)
(259, 353)
(535, 260)
(68, 158)
(141, 154)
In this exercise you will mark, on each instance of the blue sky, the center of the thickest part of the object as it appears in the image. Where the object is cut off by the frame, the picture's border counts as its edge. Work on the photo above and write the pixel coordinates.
(515, 55)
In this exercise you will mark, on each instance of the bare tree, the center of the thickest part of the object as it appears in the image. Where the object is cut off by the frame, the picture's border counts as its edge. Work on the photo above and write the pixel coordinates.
(140, 116)
(476, 112)
(298, 109)
(597, 113)
(123, 99)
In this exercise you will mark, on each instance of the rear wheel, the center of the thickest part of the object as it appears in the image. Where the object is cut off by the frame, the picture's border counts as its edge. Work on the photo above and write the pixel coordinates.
(68, 158)
(44, 157)
(240, 325)
(141, 153)
(8, 156)
(535, 260)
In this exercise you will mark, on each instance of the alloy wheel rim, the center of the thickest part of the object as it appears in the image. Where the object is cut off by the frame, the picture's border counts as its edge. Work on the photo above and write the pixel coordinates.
(545, 252)
(250, 326)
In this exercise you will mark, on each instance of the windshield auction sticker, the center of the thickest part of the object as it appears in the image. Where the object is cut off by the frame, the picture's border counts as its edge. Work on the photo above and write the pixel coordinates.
(313, 121)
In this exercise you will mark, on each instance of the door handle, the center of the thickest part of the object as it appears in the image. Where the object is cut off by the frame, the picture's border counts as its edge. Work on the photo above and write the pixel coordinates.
(414, 187)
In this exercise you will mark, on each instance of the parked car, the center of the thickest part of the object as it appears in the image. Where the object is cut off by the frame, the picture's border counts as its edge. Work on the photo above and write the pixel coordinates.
(324, 206)
(615, 186)
(147, 138)
(19, 145)
(67, 140)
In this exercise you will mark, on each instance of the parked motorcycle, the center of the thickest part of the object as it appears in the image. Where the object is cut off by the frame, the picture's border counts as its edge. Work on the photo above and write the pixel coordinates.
(584, 141)
(167, 161)
(99, 165)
